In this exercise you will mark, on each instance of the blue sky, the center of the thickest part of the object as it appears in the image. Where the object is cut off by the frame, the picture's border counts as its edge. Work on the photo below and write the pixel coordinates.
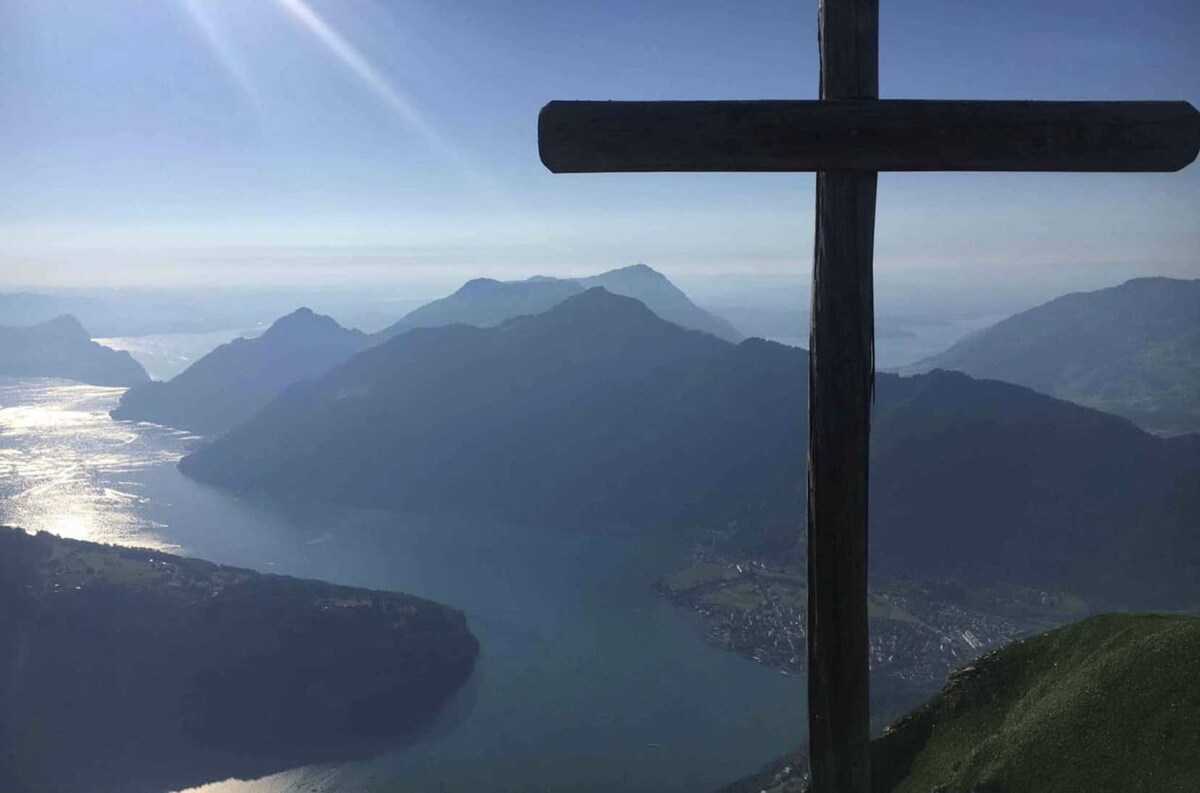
(311, 142)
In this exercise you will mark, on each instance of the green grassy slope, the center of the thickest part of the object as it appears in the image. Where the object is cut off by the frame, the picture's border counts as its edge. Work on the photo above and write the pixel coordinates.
(1109, 703)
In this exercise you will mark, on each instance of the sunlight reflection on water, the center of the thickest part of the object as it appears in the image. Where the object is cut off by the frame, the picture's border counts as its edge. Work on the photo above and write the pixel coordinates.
(310, 778)
(62, 460)
(167, 354)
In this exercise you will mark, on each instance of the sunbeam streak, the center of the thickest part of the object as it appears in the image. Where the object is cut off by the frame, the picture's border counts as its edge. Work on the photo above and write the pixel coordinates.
(370, 76)
(233, 66)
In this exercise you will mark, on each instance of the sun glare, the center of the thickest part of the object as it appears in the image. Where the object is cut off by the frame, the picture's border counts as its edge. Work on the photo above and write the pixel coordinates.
(198, 14)
(365, 71)
(201, 15)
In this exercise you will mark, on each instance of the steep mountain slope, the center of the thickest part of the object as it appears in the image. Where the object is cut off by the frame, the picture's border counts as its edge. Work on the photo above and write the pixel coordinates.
(484, 302)
(1108, 703)
(600, 413)
(62, 348)
(231, 383)
(1132, 350)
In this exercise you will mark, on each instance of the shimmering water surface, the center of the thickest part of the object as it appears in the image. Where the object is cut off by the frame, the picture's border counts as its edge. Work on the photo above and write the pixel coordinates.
(587, 681)
(165, 355)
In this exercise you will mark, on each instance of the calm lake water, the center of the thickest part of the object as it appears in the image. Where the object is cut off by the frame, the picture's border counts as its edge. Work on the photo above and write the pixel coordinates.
(587, 681)
(165, 355)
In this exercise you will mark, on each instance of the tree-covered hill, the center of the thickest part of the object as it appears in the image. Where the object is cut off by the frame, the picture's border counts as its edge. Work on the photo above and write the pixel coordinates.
(1109, 703)
(135, 670)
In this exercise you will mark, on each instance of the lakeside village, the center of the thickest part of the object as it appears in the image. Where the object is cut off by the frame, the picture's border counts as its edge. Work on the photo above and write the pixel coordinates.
(921, 630)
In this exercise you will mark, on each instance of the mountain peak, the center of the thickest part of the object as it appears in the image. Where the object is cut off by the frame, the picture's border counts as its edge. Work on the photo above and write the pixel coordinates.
(638, 270)
(65, 324)
(485, 302)
(62, 347)
(663, 298)
(599, 302)
(303, 320)
(477, 285)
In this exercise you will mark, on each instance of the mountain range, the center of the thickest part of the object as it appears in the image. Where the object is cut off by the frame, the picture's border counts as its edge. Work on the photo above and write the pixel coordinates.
(63, 348)
(227, 386)
(598, 412)
(1132, 350)
(484, 302)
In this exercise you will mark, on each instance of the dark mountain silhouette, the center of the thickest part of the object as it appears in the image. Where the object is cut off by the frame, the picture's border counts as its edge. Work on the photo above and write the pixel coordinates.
(484, 302)
(62, 348)
(234, 381)
(663, 298)
(600, 413)
(1132, 350)
(134, 670)
(230, 384)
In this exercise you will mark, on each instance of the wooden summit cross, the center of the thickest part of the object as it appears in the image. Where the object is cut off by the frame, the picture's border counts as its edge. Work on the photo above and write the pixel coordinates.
(847, 137)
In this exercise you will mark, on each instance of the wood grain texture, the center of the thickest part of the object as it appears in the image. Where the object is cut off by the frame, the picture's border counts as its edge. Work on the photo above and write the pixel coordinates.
(868, 135)
(840, 391)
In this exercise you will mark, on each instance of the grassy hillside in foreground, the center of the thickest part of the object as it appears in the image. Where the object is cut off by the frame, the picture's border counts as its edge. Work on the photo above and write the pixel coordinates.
(1110, 703)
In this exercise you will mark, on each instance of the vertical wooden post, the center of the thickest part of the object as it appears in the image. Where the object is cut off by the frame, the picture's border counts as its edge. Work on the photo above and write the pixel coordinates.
(840, 389)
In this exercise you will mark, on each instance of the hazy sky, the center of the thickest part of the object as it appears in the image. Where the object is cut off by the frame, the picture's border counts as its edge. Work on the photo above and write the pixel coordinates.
(350, 141)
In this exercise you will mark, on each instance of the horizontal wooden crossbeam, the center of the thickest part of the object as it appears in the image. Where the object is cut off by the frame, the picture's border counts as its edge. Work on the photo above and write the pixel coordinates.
(867, 135)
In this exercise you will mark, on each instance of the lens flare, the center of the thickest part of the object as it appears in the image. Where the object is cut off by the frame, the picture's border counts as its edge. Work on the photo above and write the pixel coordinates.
(230, 62)
(357, 63)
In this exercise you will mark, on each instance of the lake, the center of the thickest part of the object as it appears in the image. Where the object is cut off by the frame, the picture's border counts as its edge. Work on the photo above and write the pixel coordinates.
(587, 681)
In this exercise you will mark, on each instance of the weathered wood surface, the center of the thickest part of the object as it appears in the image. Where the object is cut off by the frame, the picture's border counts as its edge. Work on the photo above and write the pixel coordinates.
(858, 133)
(840, 390)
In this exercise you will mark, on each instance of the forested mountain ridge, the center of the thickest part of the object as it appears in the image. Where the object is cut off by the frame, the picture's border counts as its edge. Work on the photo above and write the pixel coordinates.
(135, 670)
(600, 413)
(1132, 350)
